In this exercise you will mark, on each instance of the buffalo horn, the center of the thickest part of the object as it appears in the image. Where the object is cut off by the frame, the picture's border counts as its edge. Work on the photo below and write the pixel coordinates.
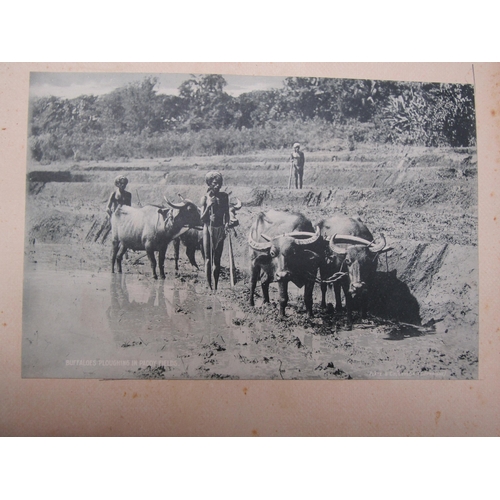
(295, 234)
(260, 247)
(237, 205)
(350, 239)
(378, 246)
(175, 205)
(335, 248)
(313, 237)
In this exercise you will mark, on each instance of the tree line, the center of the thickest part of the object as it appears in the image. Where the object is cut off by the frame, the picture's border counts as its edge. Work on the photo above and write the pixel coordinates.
(136, 121)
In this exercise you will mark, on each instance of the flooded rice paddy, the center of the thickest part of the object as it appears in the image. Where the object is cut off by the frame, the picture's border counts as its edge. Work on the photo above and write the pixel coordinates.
(82, 324)
(79, 323)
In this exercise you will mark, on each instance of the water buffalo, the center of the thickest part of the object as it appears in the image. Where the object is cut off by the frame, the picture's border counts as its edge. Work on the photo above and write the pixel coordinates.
(349, 261)
(193, 241)
(193, 238)
(284, 247)
(150, 228)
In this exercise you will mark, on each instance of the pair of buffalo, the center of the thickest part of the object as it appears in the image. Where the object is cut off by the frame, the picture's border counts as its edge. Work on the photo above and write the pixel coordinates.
(284, 247)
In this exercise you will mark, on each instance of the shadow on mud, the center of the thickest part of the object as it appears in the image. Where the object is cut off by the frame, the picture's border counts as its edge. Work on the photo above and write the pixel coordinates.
(404, 331)
(392, 300)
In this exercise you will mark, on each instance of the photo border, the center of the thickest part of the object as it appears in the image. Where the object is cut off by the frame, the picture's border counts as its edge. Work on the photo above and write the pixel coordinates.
(248, 407)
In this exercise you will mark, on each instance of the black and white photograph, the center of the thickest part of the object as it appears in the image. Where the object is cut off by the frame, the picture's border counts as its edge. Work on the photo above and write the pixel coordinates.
(218, 226)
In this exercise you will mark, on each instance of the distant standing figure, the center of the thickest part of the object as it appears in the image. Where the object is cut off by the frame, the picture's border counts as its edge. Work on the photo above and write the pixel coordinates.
(297, 158)
(215, 217)
(119, 197)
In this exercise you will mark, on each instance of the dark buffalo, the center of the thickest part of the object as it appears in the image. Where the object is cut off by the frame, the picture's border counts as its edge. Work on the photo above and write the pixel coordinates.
(350, 261)
(150, 228)
(284, 247)
(193, 241)
(193, 238)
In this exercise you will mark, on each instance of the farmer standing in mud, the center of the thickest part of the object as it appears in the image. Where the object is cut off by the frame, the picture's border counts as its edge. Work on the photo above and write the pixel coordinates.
(215, 217)
(119, 197)
(297, 158)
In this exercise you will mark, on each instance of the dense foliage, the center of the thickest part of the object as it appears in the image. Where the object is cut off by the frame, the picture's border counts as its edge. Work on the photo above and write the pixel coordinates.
(136, 121)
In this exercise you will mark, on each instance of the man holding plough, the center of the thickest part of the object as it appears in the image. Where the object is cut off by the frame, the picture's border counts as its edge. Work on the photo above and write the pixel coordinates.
(216, 222)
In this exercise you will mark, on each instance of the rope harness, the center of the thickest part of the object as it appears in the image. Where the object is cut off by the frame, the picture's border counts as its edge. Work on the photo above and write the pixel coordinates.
(341, 274)
(334, 277)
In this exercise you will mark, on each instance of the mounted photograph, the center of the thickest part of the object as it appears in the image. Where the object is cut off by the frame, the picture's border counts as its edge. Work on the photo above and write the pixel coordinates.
(217, 226)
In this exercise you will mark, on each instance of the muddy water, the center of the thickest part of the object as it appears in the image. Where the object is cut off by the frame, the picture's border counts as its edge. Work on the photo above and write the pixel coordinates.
(83, 324)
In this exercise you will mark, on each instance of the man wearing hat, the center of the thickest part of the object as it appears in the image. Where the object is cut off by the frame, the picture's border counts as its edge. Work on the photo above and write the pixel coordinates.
(215, 217)
(297, 158)
(119, 196)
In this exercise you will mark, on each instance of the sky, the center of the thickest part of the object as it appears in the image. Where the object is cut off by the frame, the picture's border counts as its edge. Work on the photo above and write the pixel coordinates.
(71, 85)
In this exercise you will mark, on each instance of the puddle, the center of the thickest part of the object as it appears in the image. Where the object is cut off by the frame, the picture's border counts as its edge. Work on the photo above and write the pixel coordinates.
(85, 324)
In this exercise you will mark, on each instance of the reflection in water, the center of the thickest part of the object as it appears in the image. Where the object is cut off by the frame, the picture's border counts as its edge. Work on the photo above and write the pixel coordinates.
(106, 326)
(129, 318)
(141, 310)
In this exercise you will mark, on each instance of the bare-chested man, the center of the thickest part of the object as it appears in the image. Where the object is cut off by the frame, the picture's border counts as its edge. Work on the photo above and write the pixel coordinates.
(215, 217)
(119, 196)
